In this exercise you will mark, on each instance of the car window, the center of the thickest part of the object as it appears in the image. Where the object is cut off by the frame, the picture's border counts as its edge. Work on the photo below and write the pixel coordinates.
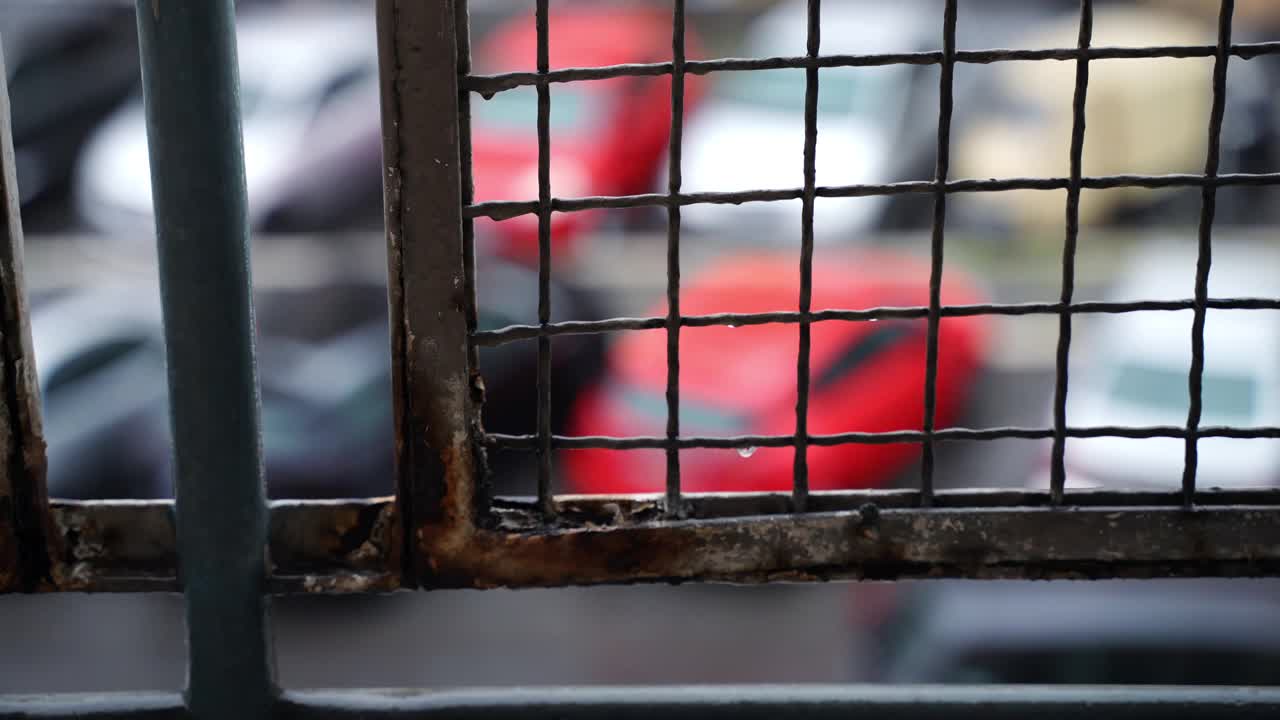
(860, 351)
(1228, 397)
(695, 417)
(516, 111)
(841, 91)
(90, 361)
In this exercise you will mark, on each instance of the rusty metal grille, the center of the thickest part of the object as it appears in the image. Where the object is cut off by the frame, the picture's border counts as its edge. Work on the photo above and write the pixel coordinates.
(556, 540)
(443, 528)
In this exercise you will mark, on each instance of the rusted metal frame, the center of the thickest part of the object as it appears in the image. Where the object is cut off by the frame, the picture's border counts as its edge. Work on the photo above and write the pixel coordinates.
(25, 528)
(342, 547)
(489, 85)
(527, 442)
(946, 88)
(437, 419)
(508, 209)
(335, 546)
(816, 702)
(514, 333)
(1204, 259)
(116, 546)
(191, 96)
(1057, 462)
(675, 142)
(519, 549)
(800, 465)
(339, 546)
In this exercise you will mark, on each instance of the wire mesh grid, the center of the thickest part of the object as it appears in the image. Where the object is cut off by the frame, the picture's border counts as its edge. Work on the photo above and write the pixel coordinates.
(940, 187)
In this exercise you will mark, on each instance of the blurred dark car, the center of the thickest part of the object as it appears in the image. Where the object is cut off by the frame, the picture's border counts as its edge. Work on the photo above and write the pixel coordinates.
(324, 366)
(608, 137)
(100, 363)
(68, 65)
(1164, 632)
(865, 376)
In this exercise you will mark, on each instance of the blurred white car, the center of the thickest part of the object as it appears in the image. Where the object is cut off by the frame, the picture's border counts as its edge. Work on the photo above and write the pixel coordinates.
(1132, 370)
(750, 133)
(306, 75)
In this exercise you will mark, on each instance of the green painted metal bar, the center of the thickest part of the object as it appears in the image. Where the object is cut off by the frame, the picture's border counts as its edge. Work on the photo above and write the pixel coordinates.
(922, 702)
(794, 701)
(191, 91)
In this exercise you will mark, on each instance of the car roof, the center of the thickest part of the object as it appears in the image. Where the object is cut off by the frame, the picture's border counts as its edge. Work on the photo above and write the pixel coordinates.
(580, 36)
(296, 50)
(1166, 271)
(848, 27)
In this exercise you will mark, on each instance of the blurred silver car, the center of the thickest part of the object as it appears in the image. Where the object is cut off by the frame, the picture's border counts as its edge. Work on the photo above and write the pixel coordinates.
(308, 93)
(1132, 369)
(750, 133)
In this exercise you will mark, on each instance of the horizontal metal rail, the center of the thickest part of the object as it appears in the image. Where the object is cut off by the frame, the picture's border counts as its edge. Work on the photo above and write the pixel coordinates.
(487, 85)
(728, 701)
(315, 547)
(756, 701)
(353, 546)
(515, 333)
(505, 209)
(580, 442)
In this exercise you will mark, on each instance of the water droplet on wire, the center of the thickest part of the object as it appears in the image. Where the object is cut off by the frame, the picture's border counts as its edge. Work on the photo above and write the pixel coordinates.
(746, 452)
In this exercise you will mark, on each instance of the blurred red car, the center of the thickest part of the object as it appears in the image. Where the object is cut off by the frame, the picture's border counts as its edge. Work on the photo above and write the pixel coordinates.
(865, 376)
(608, 137)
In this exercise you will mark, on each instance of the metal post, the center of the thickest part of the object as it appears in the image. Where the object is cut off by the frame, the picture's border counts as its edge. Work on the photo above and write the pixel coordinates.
(25, 557)
(191, 89)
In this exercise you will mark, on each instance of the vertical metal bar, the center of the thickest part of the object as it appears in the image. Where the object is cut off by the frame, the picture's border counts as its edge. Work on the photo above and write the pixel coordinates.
(945, 103)
(25, 529)
(673, 257)
(1058, 470)
(800, 466)
(436, 420)
(190, 88)
(462, 32)
(545, 500)
(1209, 201)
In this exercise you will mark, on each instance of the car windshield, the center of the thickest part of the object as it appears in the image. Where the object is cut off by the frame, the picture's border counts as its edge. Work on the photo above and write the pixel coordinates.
(1228, 397)
(516, 111)
(695, 417)
(846, 90)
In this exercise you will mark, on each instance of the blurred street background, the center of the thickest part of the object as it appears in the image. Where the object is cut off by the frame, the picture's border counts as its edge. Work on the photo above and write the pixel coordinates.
(312, 146)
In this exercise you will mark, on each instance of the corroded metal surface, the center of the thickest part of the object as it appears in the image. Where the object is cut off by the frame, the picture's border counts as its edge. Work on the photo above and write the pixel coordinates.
(316, 547)
(115, 547)
(24, 516)
(868, 543)
(353, 546)
(335, 547)
(436, 394)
